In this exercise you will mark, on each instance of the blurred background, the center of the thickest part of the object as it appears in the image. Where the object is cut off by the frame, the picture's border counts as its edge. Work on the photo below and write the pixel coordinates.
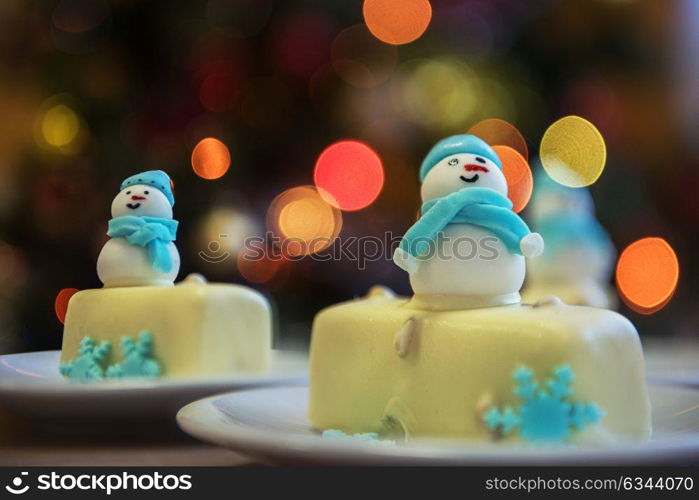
(237, 99)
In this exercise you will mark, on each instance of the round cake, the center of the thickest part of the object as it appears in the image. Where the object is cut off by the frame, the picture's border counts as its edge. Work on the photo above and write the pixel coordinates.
(464, 357)
(142, 324)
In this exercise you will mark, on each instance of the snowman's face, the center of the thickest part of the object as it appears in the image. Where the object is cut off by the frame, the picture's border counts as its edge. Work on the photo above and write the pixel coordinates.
(141, 200)
(460, 171)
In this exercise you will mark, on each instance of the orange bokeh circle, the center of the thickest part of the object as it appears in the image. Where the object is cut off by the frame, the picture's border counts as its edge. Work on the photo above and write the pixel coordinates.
(256, 265)
(646, 274)
(210, 158)
(520, 181)
(397, 21)
(303, 221)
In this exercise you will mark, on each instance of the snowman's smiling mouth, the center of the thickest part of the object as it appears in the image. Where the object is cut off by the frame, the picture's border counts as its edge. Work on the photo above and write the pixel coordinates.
(134, 206)
(466, 179)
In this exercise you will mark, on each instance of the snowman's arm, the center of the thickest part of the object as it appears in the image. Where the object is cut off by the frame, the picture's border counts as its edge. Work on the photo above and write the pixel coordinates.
(405, 261)
(532, 245)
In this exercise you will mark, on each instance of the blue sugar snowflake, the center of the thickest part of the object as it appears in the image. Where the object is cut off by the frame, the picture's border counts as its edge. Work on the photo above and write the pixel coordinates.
(547, 414)
(89, 364)
(138, 360)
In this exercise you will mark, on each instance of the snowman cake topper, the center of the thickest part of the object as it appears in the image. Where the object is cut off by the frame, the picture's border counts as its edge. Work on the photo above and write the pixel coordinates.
(579, 257)
(468, 241)
(141, 249)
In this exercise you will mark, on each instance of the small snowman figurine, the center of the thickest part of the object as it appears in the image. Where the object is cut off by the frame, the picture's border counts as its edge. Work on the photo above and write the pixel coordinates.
(468, 247)
(579, 258)
(141, 251)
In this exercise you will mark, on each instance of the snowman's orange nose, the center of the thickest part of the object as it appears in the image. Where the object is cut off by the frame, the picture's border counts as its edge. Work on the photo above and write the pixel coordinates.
(136, 197)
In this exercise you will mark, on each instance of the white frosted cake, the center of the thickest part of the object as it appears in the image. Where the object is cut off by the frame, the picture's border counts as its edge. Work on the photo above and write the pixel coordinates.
(141, 324)
(464, 357)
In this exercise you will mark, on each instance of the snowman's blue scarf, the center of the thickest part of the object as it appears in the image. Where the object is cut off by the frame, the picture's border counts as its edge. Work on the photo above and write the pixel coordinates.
(153, 233)
(479, 206)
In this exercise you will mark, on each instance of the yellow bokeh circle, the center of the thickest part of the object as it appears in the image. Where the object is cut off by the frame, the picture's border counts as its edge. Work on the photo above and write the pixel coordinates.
(573, 152)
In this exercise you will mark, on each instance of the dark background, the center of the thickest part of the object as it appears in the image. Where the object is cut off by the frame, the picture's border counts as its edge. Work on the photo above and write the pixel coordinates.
(133, 73)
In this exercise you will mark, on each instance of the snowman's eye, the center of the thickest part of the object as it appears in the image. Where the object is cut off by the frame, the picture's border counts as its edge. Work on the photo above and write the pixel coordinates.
(478, 158)
(128, 192)
(145, 192)
(453, 161)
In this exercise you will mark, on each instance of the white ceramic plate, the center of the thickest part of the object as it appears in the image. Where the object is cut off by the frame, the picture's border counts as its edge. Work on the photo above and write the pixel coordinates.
(31, 387)
(270, 424)
(675, 362)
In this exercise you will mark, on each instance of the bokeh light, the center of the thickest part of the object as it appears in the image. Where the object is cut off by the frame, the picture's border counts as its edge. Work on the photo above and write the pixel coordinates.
(573, 152)
(58, 126)
(220, 236)
(79, 26)
(61, 303)
(440, 94)
(220, 86)
(397, 22)
(349, 175)
(596, 99)
(646, 274)
(497, 132)
(256, 265)
(299, 43)
(360, 59)
(79, 16)
(304, 221)
(210, 158)
(520, 180)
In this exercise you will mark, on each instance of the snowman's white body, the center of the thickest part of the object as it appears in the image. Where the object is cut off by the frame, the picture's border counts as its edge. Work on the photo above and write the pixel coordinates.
(123, 264)
(468, 262)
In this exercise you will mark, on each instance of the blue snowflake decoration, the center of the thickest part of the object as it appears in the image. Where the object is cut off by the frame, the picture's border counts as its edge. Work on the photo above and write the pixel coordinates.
(547, 414)
(138, 360)
(89, 364)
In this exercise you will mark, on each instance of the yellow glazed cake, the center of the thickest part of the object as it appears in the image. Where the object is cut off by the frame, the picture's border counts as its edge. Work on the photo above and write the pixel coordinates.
(142, 324)
(464, 357)
(380, 365)
(197, 329)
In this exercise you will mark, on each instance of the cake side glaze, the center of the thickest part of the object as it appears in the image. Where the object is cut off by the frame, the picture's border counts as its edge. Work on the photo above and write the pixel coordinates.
(459, 365)
(197, 329)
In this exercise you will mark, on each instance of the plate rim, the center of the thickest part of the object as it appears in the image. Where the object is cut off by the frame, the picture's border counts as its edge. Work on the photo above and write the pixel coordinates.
(35, 386)
(268, 445)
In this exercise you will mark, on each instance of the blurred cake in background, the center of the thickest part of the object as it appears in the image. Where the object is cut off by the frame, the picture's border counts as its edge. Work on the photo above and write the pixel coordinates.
(578, 261)
(142, 324)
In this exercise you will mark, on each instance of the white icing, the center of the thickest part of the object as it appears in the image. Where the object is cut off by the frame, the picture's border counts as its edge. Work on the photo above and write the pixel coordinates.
(532, 245)
(550, 300)
(469, 260)
(404, 337)
(123, 264)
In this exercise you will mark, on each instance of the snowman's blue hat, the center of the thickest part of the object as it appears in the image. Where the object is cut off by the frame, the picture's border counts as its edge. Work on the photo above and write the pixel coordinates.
(457, 144)
(156, 178)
